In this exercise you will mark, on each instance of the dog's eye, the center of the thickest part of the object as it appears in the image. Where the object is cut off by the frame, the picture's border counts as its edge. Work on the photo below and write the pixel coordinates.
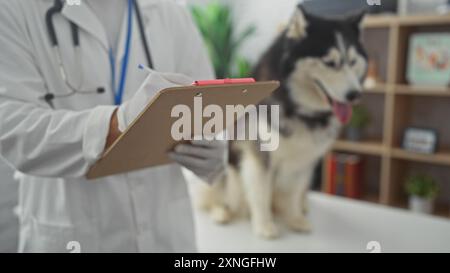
(331, 64)
(353, 62)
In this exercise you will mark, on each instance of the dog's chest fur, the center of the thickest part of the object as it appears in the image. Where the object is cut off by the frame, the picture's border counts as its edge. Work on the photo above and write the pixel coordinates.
(301, 147)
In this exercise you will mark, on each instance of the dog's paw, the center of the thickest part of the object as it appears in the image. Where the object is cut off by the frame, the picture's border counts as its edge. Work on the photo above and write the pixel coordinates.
(299, 224)
(220, 214)
(267, 230)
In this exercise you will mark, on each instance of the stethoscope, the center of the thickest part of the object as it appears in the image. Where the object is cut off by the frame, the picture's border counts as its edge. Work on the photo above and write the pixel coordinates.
(57, 8)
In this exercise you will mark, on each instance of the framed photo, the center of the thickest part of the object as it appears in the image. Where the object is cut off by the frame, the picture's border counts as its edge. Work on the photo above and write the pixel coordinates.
(409, 7)
(420, 140)
(429, 59)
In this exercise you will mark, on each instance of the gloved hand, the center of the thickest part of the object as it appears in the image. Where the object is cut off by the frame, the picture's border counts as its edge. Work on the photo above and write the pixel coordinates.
(206, 159)
(155, 82)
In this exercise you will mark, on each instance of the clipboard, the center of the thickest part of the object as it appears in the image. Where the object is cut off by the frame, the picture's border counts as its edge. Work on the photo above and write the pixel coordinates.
(148, 139)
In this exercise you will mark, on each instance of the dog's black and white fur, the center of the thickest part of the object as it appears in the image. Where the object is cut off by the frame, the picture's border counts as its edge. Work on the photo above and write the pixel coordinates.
(320, 63)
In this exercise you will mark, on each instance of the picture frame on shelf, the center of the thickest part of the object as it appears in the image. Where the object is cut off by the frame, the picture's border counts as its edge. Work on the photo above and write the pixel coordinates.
(420, 140)
(429, 59)
(410, 7)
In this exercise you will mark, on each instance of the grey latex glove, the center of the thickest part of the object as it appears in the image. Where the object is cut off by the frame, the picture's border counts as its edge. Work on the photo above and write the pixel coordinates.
(206, 159)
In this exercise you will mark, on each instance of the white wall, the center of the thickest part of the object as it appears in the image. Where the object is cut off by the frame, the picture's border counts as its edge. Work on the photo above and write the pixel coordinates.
(195, 2)
(268, 16)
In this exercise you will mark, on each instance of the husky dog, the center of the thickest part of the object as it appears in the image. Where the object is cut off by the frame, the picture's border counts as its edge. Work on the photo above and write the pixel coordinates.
(320, 64)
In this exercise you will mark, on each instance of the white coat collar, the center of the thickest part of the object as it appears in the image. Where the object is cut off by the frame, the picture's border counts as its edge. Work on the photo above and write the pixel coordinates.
(86, 19)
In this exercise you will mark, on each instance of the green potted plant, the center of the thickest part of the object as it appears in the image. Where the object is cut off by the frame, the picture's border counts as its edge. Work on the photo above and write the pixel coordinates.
(359, 121)
(216, 24)
(422, 190)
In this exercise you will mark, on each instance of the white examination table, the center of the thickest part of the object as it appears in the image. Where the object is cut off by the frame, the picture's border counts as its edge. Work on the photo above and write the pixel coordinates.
(339, 225)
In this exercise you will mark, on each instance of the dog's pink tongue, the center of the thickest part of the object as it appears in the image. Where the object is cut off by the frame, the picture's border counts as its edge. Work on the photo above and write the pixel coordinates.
(342, 111)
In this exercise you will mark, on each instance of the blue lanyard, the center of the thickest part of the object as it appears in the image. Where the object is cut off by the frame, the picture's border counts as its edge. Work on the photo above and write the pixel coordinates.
(118, 93)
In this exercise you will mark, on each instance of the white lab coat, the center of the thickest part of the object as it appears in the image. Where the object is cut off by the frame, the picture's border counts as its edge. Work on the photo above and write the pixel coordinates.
(145, 211)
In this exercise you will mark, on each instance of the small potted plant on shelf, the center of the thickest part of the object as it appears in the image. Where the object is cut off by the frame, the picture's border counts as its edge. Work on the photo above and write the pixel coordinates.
(359, 121)
(422, 191)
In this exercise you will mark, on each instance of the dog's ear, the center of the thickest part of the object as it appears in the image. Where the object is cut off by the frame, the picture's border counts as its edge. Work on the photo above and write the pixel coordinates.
(357, 19)
(297, 27)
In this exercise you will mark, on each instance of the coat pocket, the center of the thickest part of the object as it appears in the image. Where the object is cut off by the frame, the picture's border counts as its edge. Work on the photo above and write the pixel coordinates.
(38, 237)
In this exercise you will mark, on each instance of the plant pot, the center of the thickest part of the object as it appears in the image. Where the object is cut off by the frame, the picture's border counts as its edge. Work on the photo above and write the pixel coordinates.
(421, 205)
(353, 134)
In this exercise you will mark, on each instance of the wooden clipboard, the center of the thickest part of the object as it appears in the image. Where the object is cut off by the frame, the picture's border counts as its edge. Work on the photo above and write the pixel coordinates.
(148, 139)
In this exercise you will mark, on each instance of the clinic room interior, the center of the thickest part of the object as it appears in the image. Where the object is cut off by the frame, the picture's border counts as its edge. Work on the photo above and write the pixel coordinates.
(363, 162)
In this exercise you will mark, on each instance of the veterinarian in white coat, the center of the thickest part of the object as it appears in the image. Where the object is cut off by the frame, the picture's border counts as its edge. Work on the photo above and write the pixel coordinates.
(52, 146)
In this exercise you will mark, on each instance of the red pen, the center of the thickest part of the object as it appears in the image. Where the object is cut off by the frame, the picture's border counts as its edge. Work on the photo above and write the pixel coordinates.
(224, 81)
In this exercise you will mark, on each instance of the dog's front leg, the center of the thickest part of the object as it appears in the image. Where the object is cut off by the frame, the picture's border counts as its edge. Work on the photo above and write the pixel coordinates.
(292, 202)
(258, 189)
